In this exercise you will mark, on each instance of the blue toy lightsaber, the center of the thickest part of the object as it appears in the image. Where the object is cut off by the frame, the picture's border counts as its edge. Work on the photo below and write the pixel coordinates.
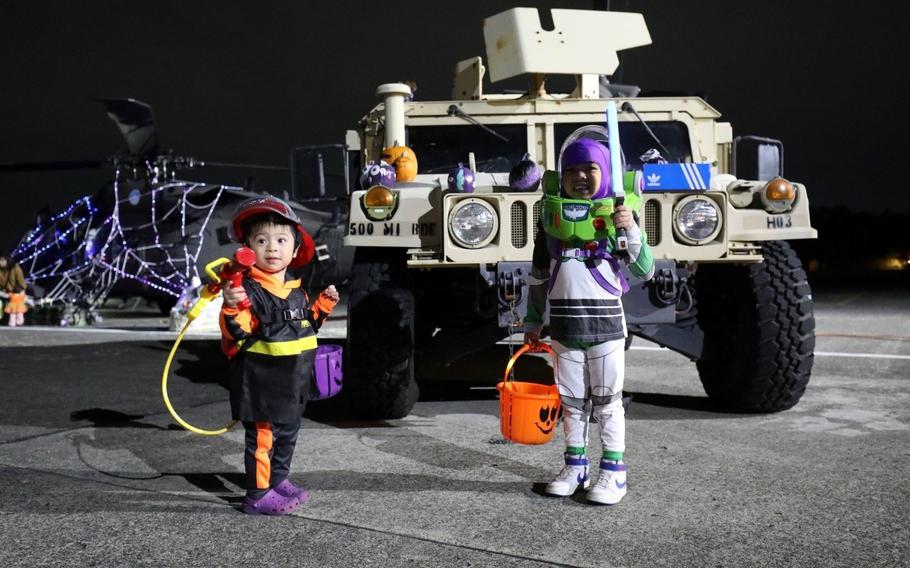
(619, 193)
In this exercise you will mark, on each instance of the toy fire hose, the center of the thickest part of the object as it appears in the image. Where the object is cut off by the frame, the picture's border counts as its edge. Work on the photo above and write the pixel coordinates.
(231, 274)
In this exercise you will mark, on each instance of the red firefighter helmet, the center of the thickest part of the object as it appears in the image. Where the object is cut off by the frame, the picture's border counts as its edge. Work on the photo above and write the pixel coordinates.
(271, 204)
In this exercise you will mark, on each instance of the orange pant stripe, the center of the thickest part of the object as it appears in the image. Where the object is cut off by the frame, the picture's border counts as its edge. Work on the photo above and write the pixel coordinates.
(263, 448)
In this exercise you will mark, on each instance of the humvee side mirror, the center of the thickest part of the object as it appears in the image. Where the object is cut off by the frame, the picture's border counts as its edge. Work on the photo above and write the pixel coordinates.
(320, 172)
(757, 158)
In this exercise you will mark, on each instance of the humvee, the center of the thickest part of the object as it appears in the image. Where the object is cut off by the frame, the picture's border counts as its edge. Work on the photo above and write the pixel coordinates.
(441, 274)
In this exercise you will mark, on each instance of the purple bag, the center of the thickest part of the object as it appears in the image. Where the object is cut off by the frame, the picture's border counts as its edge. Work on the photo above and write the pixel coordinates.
(326, 372)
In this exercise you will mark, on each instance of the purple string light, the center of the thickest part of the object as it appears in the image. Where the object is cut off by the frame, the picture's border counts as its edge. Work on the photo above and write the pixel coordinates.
(87, 257)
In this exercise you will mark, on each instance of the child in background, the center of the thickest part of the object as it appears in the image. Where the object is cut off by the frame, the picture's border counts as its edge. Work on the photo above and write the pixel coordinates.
(582, 283)
(16, 308)
(12, 285)
(271, 347)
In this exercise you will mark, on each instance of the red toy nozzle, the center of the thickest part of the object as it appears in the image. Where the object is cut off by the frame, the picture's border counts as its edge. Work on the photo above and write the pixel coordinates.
(232, 272)
(245, 257)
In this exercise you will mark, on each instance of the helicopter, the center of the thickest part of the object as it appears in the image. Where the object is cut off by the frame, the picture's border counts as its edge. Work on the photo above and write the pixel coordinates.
(150, 231)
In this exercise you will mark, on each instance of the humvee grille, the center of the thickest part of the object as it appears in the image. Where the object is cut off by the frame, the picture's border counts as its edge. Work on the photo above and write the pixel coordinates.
(536, 218)
(519, 225)
(652, 221)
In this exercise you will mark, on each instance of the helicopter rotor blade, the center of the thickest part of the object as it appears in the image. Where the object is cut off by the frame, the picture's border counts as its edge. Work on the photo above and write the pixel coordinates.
(136, 122)
(245, 166)
(52, 166)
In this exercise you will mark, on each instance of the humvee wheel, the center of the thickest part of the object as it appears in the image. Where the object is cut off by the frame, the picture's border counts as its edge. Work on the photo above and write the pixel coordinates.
(759, 331)
(381, 345)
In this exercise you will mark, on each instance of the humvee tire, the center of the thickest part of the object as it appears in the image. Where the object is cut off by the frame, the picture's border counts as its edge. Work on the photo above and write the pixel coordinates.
(380, 344)
(759, 331)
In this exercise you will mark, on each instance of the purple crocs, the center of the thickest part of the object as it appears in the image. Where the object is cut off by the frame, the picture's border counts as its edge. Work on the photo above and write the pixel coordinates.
(288, 489)
(272, 503)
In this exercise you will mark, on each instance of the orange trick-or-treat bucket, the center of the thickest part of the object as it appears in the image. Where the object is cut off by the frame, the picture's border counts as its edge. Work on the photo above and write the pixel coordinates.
(527, 411)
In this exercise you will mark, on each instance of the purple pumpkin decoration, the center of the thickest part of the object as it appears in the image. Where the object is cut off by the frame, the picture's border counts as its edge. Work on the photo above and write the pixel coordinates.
(525, 176)
(377, 173)
(461, 179)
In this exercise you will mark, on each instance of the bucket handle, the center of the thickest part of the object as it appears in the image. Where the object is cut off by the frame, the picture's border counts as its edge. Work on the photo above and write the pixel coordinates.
(524, 349)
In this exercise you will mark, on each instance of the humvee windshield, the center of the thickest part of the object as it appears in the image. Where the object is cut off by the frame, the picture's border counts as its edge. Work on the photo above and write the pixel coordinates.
(439, 149)
(636, 140)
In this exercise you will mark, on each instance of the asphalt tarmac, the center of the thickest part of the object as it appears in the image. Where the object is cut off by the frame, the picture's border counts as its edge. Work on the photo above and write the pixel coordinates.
(96, 473)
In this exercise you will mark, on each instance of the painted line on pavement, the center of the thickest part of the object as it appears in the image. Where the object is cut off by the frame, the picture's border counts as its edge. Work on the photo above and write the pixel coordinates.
(818, 353)
(215, 334)
(192, 332)
(865, 355)
(24, 329)
(865, 336)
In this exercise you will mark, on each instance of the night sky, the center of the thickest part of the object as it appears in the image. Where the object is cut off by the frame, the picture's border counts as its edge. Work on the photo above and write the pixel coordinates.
(238, 82)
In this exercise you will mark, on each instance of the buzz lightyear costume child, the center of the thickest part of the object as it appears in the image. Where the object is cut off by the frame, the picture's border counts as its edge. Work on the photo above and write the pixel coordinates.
(576, 271)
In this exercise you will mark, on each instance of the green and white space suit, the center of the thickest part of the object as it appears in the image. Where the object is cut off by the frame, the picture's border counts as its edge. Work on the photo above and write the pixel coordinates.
(581, 282)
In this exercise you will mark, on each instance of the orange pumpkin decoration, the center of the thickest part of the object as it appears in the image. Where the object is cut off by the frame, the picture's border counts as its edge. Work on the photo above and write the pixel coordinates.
(403, 159)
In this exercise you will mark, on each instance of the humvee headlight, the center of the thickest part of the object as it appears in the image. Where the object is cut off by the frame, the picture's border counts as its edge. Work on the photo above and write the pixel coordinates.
(696, 220)
(473, 223)
(379, 202)
(778, 195)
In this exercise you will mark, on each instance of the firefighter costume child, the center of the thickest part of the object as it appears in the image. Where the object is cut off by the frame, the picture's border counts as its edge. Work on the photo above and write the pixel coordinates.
(579, 276)
(269, 335)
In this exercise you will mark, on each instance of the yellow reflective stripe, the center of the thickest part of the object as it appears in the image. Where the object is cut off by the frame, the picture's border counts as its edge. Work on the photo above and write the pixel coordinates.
(278, 348)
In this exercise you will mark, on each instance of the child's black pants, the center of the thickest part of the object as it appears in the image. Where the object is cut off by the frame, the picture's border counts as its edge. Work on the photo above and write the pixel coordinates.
(268, 454)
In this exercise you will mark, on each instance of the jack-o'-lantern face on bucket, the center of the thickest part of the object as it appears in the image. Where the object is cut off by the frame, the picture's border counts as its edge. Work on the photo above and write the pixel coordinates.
(548, 416)
(337, 374)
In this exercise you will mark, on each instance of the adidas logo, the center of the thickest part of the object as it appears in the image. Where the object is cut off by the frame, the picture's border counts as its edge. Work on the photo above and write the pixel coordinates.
(654, 179)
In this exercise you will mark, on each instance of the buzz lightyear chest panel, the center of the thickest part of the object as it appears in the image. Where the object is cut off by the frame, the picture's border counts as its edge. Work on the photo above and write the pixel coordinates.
(581, 219)
(585, 220)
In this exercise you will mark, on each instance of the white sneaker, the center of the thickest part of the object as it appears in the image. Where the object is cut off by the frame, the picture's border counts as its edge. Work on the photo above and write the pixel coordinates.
(574, 474)
(611, 485)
